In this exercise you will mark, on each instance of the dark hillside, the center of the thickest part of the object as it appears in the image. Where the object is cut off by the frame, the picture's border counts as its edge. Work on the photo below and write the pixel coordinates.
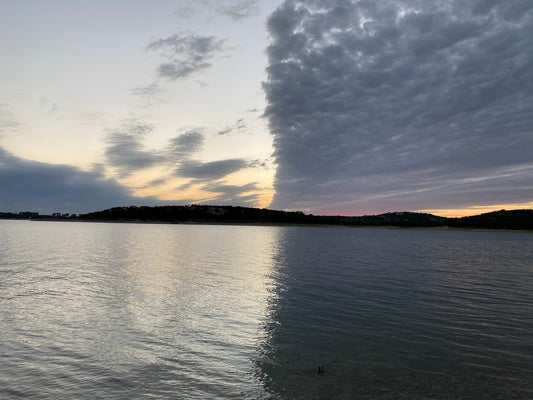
(512, 219)
(199, 213)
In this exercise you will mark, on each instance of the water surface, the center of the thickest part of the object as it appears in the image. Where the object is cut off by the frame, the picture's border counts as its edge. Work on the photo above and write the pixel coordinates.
(91, 310)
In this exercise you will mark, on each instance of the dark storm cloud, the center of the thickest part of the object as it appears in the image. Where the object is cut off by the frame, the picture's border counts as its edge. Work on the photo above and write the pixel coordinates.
(384, 105)
(185, 54)
(125, 150)
(209, 171)
(47, 188)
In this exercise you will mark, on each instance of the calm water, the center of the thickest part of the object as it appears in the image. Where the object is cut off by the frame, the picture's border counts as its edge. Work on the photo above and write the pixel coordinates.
(130, 311)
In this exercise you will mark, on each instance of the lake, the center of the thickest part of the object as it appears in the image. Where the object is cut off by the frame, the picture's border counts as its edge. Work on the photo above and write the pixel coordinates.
(135, 311)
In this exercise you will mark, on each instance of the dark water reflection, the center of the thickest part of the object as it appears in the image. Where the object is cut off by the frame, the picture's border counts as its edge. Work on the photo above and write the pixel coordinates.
(400, 314)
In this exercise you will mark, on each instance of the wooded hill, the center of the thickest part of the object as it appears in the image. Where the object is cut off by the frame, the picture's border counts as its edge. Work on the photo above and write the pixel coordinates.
(503, 219)
(512, 219)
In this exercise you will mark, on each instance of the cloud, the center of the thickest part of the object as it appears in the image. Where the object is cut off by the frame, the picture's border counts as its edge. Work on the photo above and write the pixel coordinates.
(127, 154)
(239, 10)
(153, 183)
(236, 10)
(380, 106)
(238, 195)
(238, 126)
(209, 171)
(185, 145)
(48, 106)
(181, 152)
(186, 11)
(185, 54)
(47, 188)
(152, 93)
(7, 121)
(125, 150)
(231, 190)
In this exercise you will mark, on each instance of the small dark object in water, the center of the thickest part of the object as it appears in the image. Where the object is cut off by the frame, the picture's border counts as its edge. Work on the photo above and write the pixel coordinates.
(320, 370)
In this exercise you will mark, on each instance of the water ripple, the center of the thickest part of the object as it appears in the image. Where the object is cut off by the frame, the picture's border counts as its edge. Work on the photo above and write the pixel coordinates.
(163, 311)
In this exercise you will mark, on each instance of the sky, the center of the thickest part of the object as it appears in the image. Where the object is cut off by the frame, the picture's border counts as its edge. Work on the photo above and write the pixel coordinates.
(346, 107)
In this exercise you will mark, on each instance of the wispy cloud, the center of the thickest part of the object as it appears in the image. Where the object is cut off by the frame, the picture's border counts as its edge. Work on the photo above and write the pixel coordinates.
(223, 194)
(244, 195)
(152, 93)
(239, 10)
(209, 171)
(238, 126)
(7, 122)
(185, 54)
(183, 150)
(125, 150)
(127, 154)
(49, 106)
(154, 183)
(186, 145)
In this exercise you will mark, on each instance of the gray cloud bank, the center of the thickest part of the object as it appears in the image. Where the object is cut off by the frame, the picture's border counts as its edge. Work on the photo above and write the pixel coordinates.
(388, 105)
(46, 188)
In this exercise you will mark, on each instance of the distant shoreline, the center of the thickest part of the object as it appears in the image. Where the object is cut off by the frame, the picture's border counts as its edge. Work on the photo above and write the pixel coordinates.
(502, 220)
(273, 224)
